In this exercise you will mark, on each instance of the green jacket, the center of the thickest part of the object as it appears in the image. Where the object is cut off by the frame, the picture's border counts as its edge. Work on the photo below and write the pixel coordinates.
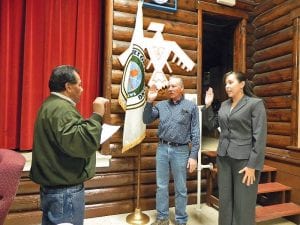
(65, 144)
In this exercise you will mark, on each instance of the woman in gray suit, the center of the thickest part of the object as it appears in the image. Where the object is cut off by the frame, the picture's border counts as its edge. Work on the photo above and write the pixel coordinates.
(242, 142)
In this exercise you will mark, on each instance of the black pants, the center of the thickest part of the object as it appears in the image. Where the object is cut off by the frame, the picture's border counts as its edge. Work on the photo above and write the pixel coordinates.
(237, 201)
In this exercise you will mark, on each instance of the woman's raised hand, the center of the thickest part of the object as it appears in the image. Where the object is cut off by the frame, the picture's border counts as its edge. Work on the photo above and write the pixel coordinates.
(209, 97)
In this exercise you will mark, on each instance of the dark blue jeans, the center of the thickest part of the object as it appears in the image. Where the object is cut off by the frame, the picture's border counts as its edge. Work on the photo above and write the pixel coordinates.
(62, 205)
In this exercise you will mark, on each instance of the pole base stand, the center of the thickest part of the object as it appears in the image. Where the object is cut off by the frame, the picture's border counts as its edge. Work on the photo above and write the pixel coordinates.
(137, 217)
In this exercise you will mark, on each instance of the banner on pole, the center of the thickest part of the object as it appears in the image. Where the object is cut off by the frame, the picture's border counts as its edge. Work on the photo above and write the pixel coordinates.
(132, 90)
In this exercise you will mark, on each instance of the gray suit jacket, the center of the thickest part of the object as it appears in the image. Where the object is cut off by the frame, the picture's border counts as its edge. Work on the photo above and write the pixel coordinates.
(243, 130)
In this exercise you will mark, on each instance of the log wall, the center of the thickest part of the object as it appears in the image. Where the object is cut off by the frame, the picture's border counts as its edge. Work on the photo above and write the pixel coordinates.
(276, 81)
(180, 27)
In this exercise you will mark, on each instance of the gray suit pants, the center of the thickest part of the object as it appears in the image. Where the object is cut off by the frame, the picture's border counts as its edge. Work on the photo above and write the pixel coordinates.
(237, 201)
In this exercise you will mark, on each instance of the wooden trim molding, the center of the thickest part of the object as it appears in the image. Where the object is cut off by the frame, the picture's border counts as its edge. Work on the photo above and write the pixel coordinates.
(295, 121)
(107, 71)
(240, 33)
(297, 70)
(224, 11)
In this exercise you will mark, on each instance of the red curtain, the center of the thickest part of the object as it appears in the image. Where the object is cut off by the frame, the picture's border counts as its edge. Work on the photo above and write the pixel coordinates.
(36, 36)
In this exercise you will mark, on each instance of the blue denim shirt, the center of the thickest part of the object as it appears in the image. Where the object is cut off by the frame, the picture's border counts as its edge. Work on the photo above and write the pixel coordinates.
(179, 122)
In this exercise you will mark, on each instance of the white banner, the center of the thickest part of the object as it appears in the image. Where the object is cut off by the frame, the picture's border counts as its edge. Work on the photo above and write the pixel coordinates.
(132, 90)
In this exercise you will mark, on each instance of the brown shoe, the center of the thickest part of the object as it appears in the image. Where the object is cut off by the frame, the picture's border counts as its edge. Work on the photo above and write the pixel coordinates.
(161, 222)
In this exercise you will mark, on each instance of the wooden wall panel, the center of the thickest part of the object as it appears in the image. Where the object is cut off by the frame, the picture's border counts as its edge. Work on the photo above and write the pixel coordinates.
(120, 179)
(275, 81)
(181, 27)
(273, 63)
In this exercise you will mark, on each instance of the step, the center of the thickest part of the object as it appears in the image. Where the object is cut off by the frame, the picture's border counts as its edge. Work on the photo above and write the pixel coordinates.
(272, 187)
(267, 168)
(210, 154)
(276, 211)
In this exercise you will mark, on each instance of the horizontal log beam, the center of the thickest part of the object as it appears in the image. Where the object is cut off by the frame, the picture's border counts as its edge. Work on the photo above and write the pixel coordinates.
(31, 217)
(120, 46)
(26, 186)
(190, 82)
(103, 180)
(279, 128)
(180, 15)
(274, 64)
(147, 149)
(274, 26)
(278, 141)
(279, 115)
(162, 93)
(117, 119)
(176, 70)
(275, 76)
(25, 203)
(119, 165)
(278, 102)
(276, 12)
(115, 107)
(276, 89)
(189, 5)
(265, 6)
(281, 49)
(128, 20)
(274, 38)
(125, 34)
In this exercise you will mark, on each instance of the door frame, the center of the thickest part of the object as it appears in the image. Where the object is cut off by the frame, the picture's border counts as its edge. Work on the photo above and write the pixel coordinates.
(239, 42)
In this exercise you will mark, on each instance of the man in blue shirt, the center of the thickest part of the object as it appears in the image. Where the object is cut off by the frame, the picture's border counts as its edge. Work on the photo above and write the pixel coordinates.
(179, 136)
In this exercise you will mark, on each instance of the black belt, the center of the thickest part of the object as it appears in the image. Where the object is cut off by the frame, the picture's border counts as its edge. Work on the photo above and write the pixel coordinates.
(170, 143)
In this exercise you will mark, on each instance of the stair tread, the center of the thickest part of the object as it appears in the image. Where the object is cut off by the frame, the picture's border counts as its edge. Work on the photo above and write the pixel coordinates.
(276, 211)
(211, 154)
(272, 187)
(267, 168)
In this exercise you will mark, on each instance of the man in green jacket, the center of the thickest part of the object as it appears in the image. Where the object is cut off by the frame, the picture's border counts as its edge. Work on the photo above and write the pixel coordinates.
(64, 148)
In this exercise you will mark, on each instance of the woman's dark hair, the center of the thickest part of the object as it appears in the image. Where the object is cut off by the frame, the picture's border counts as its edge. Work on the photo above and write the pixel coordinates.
(248, 88)
(60, 76)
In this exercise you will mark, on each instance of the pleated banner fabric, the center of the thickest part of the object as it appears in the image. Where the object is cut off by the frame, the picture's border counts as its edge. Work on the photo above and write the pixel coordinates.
(132, 90)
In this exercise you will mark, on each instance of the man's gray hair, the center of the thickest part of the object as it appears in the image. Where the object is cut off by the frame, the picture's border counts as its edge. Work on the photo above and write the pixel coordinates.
(178, 79)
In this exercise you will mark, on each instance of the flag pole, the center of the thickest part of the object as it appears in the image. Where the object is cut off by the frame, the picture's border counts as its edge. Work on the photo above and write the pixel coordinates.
(138, 217)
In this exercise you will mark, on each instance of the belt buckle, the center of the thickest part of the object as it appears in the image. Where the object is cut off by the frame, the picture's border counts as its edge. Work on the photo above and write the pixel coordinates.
(172, 144)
